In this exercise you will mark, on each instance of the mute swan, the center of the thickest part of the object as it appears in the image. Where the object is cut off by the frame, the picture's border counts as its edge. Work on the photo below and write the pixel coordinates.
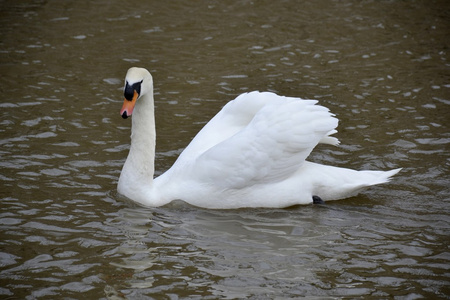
(251, 154)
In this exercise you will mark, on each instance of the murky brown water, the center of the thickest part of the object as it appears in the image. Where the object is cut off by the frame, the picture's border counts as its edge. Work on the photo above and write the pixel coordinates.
(382, 66)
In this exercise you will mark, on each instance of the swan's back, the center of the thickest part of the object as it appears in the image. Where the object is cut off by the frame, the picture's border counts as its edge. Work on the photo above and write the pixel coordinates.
(256, 139)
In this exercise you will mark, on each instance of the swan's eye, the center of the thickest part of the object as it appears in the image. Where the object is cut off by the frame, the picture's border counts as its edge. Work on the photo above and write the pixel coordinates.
(128, 92)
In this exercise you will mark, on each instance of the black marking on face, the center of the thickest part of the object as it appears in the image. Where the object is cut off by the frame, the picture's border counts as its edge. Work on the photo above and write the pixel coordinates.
(128, 91)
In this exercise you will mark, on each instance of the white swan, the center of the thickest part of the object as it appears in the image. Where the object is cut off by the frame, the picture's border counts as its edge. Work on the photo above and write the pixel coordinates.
(251, 154)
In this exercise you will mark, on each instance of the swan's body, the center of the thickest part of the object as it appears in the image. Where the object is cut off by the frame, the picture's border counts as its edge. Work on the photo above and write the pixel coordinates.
(251, 154)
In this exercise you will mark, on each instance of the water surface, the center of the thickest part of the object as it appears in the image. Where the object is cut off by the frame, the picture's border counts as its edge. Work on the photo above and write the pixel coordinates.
(382, 67)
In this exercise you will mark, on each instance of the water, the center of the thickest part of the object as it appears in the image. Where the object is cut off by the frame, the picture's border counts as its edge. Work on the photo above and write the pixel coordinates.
(382, 67)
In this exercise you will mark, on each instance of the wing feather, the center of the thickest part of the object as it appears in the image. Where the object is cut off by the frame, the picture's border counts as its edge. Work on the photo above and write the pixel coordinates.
(271, 147)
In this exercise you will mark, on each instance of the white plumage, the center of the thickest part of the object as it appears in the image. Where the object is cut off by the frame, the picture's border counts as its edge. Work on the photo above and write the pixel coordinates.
(251, 154)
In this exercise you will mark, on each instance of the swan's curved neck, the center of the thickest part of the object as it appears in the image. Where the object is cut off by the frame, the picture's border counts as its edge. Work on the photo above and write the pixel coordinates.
(139, 166)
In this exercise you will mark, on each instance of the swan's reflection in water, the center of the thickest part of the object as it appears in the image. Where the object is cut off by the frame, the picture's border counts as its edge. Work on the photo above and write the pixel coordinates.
(239, 253)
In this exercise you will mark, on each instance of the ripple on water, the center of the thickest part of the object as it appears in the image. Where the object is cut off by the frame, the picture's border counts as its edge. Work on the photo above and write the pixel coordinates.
(64, 228)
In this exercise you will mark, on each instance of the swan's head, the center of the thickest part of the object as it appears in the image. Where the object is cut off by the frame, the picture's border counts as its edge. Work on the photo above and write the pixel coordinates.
(138, 82)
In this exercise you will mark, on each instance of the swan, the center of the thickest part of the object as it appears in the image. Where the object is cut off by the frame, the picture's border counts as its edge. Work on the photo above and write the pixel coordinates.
(251, 154)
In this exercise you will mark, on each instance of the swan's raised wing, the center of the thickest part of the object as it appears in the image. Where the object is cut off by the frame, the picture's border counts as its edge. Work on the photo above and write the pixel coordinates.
(270, 148)
(234, 117)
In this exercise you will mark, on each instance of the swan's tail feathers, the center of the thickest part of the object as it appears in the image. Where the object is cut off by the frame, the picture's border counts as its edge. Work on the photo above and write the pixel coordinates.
(339, 183)
(383, 176)
(364, 179)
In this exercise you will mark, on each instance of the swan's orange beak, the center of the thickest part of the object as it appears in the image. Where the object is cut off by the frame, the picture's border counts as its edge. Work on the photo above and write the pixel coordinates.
(128, 106)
